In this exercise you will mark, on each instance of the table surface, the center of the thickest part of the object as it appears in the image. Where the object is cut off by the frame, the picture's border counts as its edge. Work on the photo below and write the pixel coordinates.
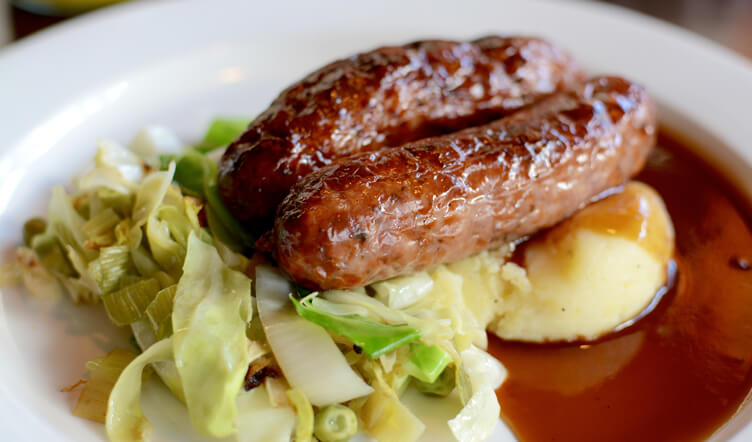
(728, 22)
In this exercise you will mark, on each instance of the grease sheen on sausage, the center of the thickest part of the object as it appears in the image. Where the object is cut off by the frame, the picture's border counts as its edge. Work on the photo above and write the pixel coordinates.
(385, 97)
(393, 211)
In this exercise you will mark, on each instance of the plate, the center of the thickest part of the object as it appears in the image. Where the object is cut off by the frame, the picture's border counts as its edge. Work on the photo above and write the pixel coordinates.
(182, 63)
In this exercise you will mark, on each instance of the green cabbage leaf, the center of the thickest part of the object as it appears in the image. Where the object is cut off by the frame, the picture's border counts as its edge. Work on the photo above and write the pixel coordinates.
(212, 309)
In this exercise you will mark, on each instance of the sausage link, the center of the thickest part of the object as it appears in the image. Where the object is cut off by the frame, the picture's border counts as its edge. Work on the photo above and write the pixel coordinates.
(380, 214)
(385, 97)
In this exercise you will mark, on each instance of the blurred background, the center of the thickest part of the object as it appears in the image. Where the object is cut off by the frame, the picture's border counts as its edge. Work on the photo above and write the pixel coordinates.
(728, 22)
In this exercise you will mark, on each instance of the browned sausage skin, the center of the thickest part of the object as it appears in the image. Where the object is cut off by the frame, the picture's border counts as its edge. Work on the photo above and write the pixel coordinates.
(385, 97)
(394, 211)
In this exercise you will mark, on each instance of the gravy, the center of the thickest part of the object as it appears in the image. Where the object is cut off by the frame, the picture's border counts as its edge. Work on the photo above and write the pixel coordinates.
(681, 371)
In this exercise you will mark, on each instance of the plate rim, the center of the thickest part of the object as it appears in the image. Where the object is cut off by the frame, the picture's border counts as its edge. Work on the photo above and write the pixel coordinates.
(24, 54)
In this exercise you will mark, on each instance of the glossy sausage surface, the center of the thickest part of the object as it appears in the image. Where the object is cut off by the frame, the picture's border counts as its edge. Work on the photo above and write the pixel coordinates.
(398, 210)
(385, 97)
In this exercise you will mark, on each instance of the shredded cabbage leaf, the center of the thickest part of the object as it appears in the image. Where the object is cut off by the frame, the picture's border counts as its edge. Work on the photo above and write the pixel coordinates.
(304, 411)
(306, 353)
(115, 168)
(151, 141)
(477, 419)
(129, 236)
(403, 291)
(125, 420)
(374, 338)
(222, 132)
(166, 370)
(254, 407)
(212, 309)
(39, 281)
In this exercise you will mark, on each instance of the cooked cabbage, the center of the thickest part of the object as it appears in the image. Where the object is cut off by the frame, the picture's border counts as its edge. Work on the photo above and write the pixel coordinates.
(125, 420)
(165, 256)
(307, 355)
(211, 311)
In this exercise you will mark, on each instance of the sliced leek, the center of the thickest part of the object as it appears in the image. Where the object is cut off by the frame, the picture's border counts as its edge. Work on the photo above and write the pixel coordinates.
(51, 254)
(100, 223)
(150, 195)
(103, 373)
(159, 312)
(164, 249)
(143, 261)
(128, 304)
(120, 202)
(112, 264)
(177, 222)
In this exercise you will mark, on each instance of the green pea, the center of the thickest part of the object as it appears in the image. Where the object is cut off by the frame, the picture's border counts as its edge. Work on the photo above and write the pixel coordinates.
(32, 228)
(335, 423)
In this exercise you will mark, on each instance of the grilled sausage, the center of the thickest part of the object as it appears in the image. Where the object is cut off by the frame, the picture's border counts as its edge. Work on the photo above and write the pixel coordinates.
(385, 97)
(394, 211)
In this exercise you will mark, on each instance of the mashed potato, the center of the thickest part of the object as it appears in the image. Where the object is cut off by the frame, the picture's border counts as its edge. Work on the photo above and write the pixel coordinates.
(581, 279)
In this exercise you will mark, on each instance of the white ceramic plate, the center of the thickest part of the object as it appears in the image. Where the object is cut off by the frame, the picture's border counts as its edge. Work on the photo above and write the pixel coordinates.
(182, 63)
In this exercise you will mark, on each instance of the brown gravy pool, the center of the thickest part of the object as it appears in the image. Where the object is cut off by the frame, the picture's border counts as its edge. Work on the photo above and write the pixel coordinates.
(680, 372)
